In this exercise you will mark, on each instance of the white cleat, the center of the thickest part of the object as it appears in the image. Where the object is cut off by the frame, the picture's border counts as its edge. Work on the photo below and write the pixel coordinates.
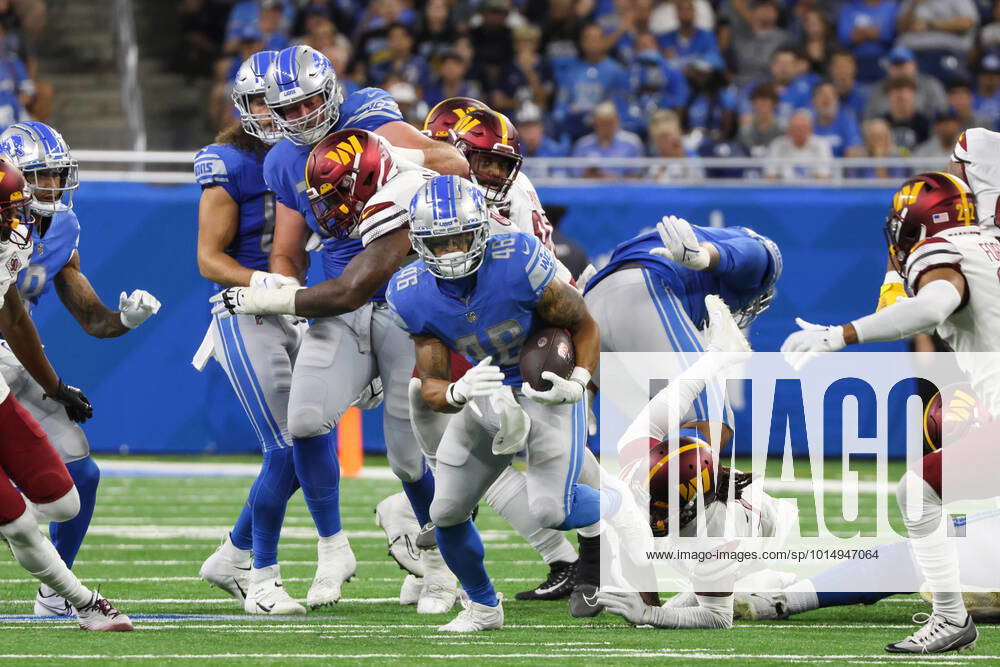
(938, 635)
(440, 586)
(48, 603)
(410, 591)
(760, 606)
(395, 516)
(268, 596)
(337, 565)
(101, 615)
(228, 569)
(476, 617)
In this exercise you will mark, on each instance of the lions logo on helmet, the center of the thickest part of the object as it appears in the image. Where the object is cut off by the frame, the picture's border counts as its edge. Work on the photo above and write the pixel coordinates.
(300, 73)
(449, 226)
(44, 158)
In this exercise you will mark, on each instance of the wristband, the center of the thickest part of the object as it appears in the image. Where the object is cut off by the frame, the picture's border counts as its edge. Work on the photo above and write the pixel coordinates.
(581, 375)
(280, 301)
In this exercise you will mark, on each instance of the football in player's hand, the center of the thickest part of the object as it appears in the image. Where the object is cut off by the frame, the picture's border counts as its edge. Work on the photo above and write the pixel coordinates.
(547, 350)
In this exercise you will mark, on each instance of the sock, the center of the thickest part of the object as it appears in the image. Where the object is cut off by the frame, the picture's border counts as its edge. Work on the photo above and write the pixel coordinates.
(508, 496)
(462, 550)
(242, 533)
(421, 493)
(585, 507)
(864, 581)
(588, 568)
(276, 484)
(935, 554)
(802, 596)
(37, 555)
(593, 530)
(318, 470)
(67, 536)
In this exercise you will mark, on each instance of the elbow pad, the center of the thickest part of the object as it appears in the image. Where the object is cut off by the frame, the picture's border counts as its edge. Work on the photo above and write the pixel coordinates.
(927, 310)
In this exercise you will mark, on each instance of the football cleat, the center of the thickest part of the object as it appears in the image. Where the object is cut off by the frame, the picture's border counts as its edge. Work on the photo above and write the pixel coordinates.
(410, 591)
(439, 593)
(557, 586)
(938, 635)
(228, 569)
(101, 615)
(583, 601)
(52, 604)
(476, 617)
(337, 565)
(268, 596)
(395, 517)
(760, 606)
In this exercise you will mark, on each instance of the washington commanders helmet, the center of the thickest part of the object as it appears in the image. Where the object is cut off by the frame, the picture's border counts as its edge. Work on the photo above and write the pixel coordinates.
(343, 171)
(491, 144)
(15, 206)
(697, 474)
(951, 414)
(446, 113)
(925, 205)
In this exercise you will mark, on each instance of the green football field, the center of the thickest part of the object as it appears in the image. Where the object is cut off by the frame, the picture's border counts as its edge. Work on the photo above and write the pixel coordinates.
(151, 533)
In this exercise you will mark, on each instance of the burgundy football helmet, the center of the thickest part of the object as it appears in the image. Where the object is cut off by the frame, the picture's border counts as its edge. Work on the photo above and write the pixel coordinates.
(926, 205)
(15, 207)
(951, 414)
(697, 472)
(342, 173)
(491, 144)
(442, 118)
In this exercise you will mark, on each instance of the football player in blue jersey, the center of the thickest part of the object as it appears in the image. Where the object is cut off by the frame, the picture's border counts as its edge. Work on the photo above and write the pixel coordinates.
(306, 102)
(51, 172)
(235, 229)
(483, 296)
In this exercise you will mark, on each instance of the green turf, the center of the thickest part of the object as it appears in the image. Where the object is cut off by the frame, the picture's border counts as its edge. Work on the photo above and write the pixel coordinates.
(145, 574)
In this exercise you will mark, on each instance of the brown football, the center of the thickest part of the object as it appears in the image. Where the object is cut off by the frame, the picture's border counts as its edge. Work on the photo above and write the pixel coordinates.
(547, 350)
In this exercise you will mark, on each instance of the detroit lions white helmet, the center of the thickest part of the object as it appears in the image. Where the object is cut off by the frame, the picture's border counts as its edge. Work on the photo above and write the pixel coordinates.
(449, 226)
(50, 170)
(248, 85)
(298, 74)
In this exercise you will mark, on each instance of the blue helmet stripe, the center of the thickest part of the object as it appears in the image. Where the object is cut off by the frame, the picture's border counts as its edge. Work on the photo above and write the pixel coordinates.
(261, 61)
(287, 69)
(49, 139)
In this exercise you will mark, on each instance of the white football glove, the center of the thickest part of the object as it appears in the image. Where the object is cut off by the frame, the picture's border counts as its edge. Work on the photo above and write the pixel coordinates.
(267, 280)
(137, 307)
(814, 340)
(514, 423)
(481, 380)
(255, 301)
(563, 391)
(628, 605)
(680, 244)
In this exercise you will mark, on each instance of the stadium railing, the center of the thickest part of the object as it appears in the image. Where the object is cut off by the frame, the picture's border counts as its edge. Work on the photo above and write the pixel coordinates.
(175, 167)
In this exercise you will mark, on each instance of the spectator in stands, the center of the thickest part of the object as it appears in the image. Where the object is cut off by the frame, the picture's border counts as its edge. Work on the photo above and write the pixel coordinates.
(437, 32)
(901, 63)
(791, 80)
(987, 101)
(16, 89)
(712, 105)
(817, 40)
(666, 17)
(492, 38)
(452, 81)
(879, 144)
(868, 27)
(910, 127)
(400, 60)
(201, 27)
(989, 36)
(607, 140)
(842, 74)
(960, 99)
(756, 136)
(653, 84)
(414, 109)
(667, 141)
(753, 53)
(248, 13)
(947, 127)
(623, 25)
(534, 142)
(342, 13)
(321, 35)
(837, 126)
(221, 111)
(537, 72)
(273, 25)
(372, 32)
(812, 154)
(561, 22)
(586, 82)
(939, 32)
(15, 49)
(689, 42)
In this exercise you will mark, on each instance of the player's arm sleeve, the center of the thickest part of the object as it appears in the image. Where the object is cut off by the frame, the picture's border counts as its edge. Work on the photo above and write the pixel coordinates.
(711, 613)
(926, 311)
(744, 263)
(375, 111)
(539, 269)
(211, 169)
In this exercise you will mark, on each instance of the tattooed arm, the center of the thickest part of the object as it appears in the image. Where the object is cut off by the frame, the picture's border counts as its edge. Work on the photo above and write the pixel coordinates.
(434, 368)
(562, 306)
(77, 294)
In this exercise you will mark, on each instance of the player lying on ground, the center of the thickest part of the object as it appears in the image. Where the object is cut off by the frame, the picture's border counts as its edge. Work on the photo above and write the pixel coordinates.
(666, 436)
(950, 268)
(483, 296)
(27, 458)
(51, 172)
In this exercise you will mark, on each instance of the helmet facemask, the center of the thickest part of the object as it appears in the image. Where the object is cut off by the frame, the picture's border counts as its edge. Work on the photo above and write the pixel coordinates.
(314, 125)
(461, 251)
(335, 206)
(16, 219)
(493, 170)
(901, 239)
(260, 125)
(53, 185)
(747, 314)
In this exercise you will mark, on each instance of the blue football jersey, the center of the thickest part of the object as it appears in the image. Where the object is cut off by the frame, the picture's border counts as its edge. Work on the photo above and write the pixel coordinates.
(49, 255)
(240, 174)
(744, 271)
(285, 169)
(493, 317)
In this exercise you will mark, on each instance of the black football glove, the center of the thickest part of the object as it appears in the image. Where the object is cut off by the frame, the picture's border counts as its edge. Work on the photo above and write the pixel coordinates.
(78, 408)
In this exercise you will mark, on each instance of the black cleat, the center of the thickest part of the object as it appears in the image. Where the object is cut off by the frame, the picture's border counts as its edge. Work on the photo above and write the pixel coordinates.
(557, 586)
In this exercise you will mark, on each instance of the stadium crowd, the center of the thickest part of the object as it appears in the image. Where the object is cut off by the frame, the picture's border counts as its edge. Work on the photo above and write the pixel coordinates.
(22, 95)
(807, 79)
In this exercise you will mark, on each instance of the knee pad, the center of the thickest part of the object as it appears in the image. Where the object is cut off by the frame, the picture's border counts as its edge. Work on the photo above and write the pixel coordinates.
(306, 422)
(62, 509)
(408, 471)
(548, 512)
(21, 531)
(507, 486)
(445, 513)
